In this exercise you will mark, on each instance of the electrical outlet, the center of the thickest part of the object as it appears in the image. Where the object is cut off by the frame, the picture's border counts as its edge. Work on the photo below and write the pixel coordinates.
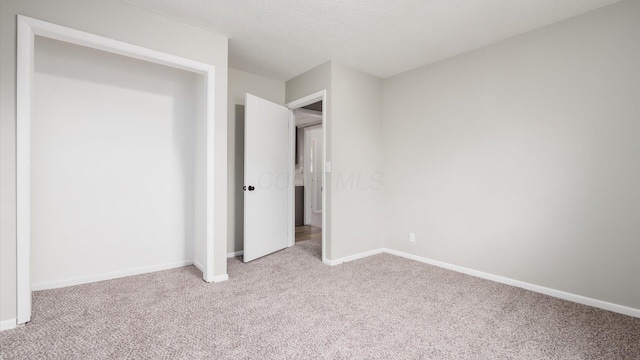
(412, 237)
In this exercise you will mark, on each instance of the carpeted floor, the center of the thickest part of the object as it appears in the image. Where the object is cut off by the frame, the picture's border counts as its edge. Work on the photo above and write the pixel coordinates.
(291, 306)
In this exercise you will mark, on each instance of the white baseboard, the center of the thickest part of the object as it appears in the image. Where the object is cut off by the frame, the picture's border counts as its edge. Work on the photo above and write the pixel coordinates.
(501, 279)
(217, 278)
(198, 265)
(220, 278)
(8, 324)
(107, 276)
(521, 284)
(235, 254)
(352, 257)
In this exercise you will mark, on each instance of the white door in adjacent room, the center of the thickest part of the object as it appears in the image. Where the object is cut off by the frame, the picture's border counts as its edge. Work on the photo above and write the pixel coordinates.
(266, 177)
(313, 163)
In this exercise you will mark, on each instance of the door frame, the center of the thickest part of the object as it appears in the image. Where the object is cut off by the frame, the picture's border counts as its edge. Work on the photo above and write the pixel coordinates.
(293, 105)
(28, 28)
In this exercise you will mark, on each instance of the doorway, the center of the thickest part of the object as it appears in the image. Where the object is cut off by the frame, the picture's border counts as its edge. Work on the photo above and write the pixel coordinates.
(269, 191)
(309, 164)
(311, 113)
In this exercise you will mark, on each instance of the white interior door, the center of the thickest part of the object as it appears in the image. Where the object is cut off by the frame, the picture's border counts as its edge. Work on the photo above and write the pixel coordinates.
(266, 177)
(313, 163)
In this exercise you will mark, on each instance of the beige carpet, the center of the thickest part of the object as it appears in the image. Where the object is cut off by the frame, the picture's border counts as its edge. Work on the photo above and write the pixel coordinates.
(291, 306)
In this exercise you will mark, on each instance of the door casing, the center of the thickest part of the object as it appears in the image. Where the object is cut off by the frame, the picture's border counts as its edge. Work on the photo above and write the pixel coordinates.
(28, 28)
(293, 105)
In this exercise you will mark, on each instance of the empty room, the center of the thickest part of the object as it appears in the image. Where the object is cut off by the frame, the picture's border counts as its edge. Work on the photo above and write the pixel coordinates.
(307, 179)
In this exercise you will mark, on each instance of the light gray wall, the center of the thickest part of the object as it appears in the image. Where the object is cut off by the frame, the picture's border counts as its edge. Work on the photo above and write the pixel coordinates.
(522, 159)
(309, 82)
(123, 22)
(357, 162)
(354, 148)
(241, 83)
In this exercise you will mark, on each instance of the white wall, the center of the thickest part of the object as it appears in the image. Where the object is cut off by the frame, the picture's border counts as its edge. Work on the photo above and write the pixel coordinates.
(241, 83)
(522, 159)
(120, 21)
(113, 164)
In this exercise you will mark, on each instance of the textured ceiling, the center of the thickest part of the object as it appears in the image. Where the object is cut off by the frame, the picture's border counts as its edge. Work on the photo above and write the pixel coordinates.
(283, 38)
